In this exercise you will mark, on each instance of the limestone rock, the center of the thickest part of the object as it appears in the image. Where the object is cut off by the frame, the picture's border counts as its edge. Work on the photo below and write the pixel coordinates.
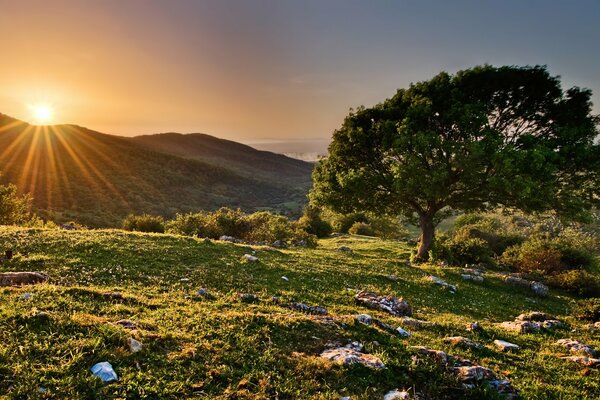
(439, 356)
(521, 326)
(585, 361)
(249, 258)
(397, 395)
(505, 346)
(443, 283)
(247, 297)
(351, 354)
(395, 306)
(415, 323)
(473, 373)
(576, 347)
(540, 289)
(134, 345)
(308, 309)
(104, 371)
(22, 278)
(461, 341)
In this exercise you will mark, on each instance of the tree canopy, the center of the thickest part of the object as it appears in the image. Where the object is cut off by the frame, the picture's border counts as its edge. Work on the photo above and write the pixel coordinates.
(14, 209)
(480, 138)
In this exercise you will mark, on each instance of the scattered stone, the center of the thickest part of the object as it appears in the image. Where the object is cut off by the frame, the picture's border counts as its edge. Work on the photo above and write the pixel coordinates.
(184, 280)
(231, 239)
(506, 346)
(540, 289)
(22, 278)
(344, 249)
(474, 373)
(461, 341)
(531, 322)
(285, 278)
(301, 243)
(439, 356)
(308, 309)
(43, 315)
(576, 347)
(68, 227)
(392, 278)
(364, 319)
(443, 283)
(104, 371)
(534, 316)
(585, 361)
(537, 287)
(517, 281)
(415, 323)
(278, 244)
(402, 332)
(474, 278)
(249, 258)
(113, 296)
(504, 387)
(396, 306)
(396, 395)
(551, 323)
(473, 271)
(203, 292)
(247, 297)
(521, 326)
(275, 300)
(127, 324)
(352, 354)
(473, 326)
(134, 345)
(26, 296)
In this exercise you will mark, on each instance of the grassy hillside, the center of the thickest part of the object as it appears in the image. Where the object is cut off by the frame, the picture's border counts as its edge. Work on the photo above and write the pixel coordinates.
(76, 173)
(229, 154)
(223, 348)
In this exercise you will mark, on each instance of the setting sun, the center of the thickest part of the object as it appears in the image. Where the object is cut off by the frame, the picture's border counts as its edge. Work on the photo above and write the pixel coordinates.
(42, 113)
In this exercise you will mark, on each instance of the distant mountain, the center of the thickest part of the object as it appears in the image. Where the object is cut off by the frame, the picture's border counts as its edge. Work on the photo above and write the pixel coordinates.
(77, 173)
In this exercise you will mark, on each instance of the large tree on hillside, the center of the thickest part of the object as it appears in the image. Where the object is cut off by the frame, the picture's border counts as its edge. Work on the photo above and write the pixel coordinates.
(483, 137)
(14, 208)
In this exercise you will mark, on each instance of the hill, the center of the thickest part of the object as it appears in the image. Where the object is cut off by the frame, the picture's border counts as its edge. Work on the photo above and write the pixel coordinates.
(218, 346)
(226, 153)
(77, 173)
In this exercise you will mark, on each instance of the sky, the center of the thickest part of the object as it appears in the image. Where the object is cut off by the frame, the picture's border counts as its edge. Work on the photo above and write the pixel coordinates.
(267, 72)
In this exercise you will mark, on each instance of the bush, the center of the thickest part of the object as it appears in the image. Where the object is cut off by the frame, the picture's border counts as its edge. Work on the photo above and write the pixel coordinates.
(588, 309)
(266, 227)
(343, 223)
(388, 227)
(534, 255)
(312, 222)
(579, 282)
(14, 209)
(193, 224)
(361, 228)
(144, 223)
(467, 251)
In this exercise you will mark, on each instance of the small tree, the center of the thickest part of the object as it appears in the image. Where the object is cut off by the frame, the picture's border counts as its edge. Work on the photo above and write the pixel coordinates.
(14, 209)
(484, 137)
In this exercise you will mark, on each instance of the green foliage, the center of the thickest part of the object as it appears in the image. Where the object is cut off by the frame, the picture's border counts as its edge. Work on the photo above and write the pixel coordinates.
(14, 208)
(483, 137)
(343, 222)
(588, 309)
(312, 222)
(461, 251)
(580, 282)
(360, 228)
(144, 223)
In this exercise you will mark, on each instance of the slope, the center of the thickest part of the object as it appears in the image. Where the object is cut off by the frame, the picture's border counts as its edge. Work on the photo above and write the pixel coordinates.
(226, 153)
(76, 173)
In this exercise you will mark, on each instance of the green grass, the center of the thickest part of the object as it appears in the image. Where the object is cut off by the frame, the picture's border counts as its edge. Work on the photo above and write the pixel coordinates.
(223, 348)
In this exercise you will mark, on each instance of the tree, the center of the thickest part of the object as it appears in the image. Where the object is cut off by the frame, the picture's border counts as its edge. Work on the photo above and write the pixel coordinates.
(481, 138)
(14, 209)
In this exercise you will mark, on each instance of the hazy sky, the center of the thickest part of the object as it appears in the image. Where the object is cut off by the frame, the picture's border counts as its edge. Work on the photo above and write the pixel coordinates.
(259, 70)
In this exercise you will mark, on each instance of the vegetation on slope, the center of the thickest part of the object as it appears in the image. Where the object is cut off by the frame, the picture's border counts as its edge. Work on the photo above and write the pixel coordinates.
(97, 179)
(220, 347)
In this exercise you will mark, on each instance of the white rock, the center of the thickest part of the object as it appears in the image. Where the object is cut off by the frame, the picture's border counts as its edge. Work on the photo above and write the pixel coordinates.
(250, 258)
(285, 278)
(505, 346)
(104, 371)
(364, 319)
(402, 332)
(26, 296)
(396, 395)
(134, 345)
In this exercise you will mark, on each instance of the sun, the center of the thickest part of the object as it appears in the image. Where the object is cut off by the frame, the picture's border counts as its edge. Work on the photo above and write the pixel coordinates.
(42, 113)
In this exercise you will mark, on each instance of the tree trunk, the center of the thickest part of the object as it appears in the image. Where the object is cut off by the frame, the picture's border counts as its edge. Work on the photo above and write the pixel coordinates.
(427, 234)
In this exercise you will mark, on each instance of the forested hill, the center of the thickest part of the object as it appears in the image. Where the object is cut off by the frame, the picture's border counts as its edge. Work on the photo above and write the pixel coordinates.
(77, 173)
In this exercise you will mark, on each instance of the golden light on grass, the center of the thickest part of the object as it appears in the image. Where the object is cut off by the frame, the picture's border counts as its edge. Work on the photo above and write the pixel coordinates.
(42, 114)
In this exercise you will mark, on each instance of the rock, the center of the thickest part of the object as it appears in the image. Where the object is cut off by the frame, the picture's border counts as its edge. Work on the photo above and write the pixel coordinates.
(202, 292)
(402, 332)
(576, 347)
(22, 278)
(344, 249)
(104, 371)
(392, 278)
(439, 356)
(278, 244)
(127, 324)
(249, 258)
(134, 345)
(521, 326)
(585, 361)
(231, 239)
(112, 296)
(415, 323)
(351, 355)
(474, 373)
(462, 341)
(504, 387)
(443, 283)
(474, 278)
(301, 243)
(308, 309)
(364, 319)
(68, 227)
(473, 271)
(473, 326)
(551, 323)
(517, 281)
(397, 395)
(395, 306)
(247, 297)
(505, 346)
(26, 296)
(533, 316)
(540, 289)
(285, 278)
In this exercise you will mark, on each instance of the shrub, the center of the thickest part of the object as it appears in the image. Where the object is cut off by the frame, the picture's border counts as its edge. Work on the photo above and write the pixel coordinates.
(342, 223)
(312, 222)
(588, 309)
(578, 282)
(14, 209)
(229, 222)
(534, 255)
(468, 251)
(193, 224)
(144, 223)
(388, 227)
(361, 228)
(266, 227)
